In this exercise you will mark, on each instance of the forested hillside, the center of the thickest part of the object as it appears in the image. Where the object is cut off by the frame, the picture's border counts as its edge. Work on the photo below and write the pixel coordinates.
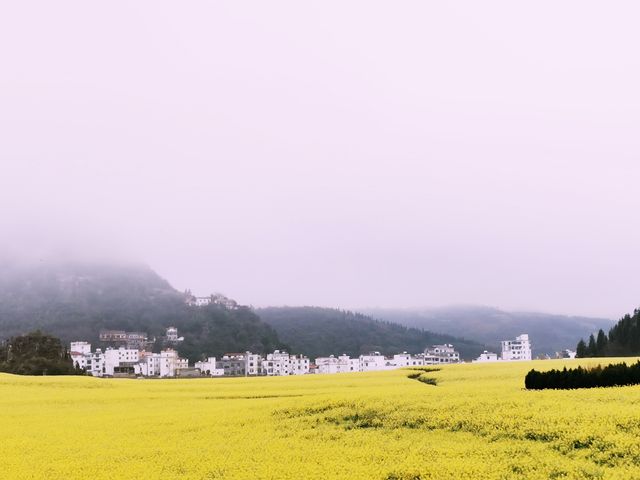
(73, 301)
(623, 340)
(324, 331)
(549, 333)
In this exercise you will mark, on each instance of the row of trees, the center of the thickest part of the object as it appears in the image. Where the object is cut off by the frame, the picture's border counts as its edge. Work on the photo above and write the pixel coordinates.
(36, 354)
(623, 340)
(613, 375)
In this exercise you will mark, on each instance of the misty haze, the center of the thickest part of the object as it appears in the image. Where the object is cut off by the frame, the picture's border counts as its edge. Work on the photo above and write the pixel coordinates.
(279, 189)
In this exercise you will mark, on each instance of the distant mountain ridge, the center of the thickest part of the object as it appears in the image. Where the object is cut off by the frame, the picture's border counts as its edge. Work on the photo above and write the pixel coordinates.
(320, 331)
(75, 300)
(549, 333)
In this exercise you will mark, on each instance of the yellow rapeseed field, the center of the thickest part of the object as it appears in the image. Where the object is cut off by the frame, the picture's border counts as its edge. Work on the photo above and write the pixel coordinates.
(477, 423)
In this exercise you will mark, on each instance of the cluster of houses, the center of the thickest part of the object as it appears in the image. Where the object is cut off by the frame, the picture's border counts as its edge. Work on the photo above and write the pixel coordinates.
(128, 359)
(125, 361)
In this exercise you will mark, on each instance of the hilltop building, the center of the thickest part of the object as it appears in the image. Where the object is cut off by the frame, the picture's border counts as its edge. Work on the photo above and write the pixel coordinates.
(171, 335)
(213, 299)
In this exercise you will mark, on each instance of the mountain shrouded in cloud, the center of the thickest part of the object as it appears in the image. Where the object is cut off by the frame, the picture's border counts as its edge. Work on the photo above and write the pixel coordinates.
(430, 154)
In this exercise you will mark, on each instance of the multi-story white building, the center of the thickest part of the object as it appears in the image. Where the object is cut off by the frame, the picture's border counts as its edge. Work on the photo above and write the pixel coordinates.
(237, 364)
(518, 349)
(120, 357)
(341, 364)
(214, 299)
(96, 365)
(202, 301)
(149, 364)
(163, 364)
(372, 361)
(170, 362)
(298, 364)
(253, 364)
(486, 357)
(439, 354)
(277, 363)
(172, 335)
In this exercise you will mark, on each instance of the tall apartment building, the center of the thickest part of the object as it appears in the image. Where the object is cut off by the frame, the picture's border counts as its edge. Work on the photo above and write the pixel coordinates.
(518, 349)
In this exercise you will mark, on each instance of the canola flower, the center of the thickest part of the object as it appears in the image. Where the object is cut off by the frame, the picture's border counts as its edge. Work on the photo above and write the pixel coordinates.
(477, 422)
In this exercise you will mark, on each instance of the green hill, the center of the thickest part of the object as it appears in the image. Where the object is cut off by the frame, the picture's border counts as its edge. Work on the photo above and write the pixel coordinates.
(623, 339)
(324, 331)
(548, 333)
(74, 301)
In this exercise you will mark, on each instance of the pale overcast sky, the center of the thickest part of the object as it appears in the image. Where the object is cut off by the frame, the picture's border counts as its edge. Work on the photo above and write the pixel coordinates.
(336, 153)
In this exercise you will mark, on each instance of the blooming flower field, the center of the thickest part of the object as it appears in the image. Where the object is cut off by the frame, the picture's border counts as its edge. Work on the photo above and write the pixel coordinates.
(477, 423)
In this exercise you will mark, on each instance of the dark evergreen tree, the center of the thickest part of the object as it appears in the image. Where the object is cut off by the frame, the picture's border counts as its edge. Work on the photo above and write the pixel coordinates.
(623, 339)
(601, 344)
(581, 349)
(592, 349)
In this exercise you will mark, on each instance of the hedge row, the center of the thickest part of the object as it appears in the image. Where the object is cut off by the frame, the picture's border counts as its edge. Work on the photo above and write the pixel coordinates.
(613, 375)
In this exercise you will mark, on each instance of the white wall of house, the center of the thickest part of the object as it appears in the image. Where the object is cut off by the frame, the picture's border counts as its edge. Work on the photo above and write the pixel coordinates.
(208, 367)
(97, 364)
(253, 364)
(170, 362)
(373, 361)
(486, 357)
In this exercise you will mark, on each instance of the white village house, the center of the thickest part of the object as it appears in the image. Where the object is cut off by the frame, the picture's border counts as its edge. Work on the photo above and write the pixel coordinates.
(486, 357)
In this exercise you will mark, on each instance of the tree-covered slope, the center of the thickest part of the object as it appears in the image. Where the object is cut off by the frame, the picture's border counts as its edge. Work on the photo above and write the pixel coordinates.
(623, 339)
(75, 300)
(548, 333)
(324, 331)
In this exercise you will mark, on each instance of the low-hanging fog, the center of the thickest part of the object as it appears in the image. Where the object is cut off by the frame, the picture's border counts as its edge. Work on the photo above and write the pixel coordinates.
(345, 154)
